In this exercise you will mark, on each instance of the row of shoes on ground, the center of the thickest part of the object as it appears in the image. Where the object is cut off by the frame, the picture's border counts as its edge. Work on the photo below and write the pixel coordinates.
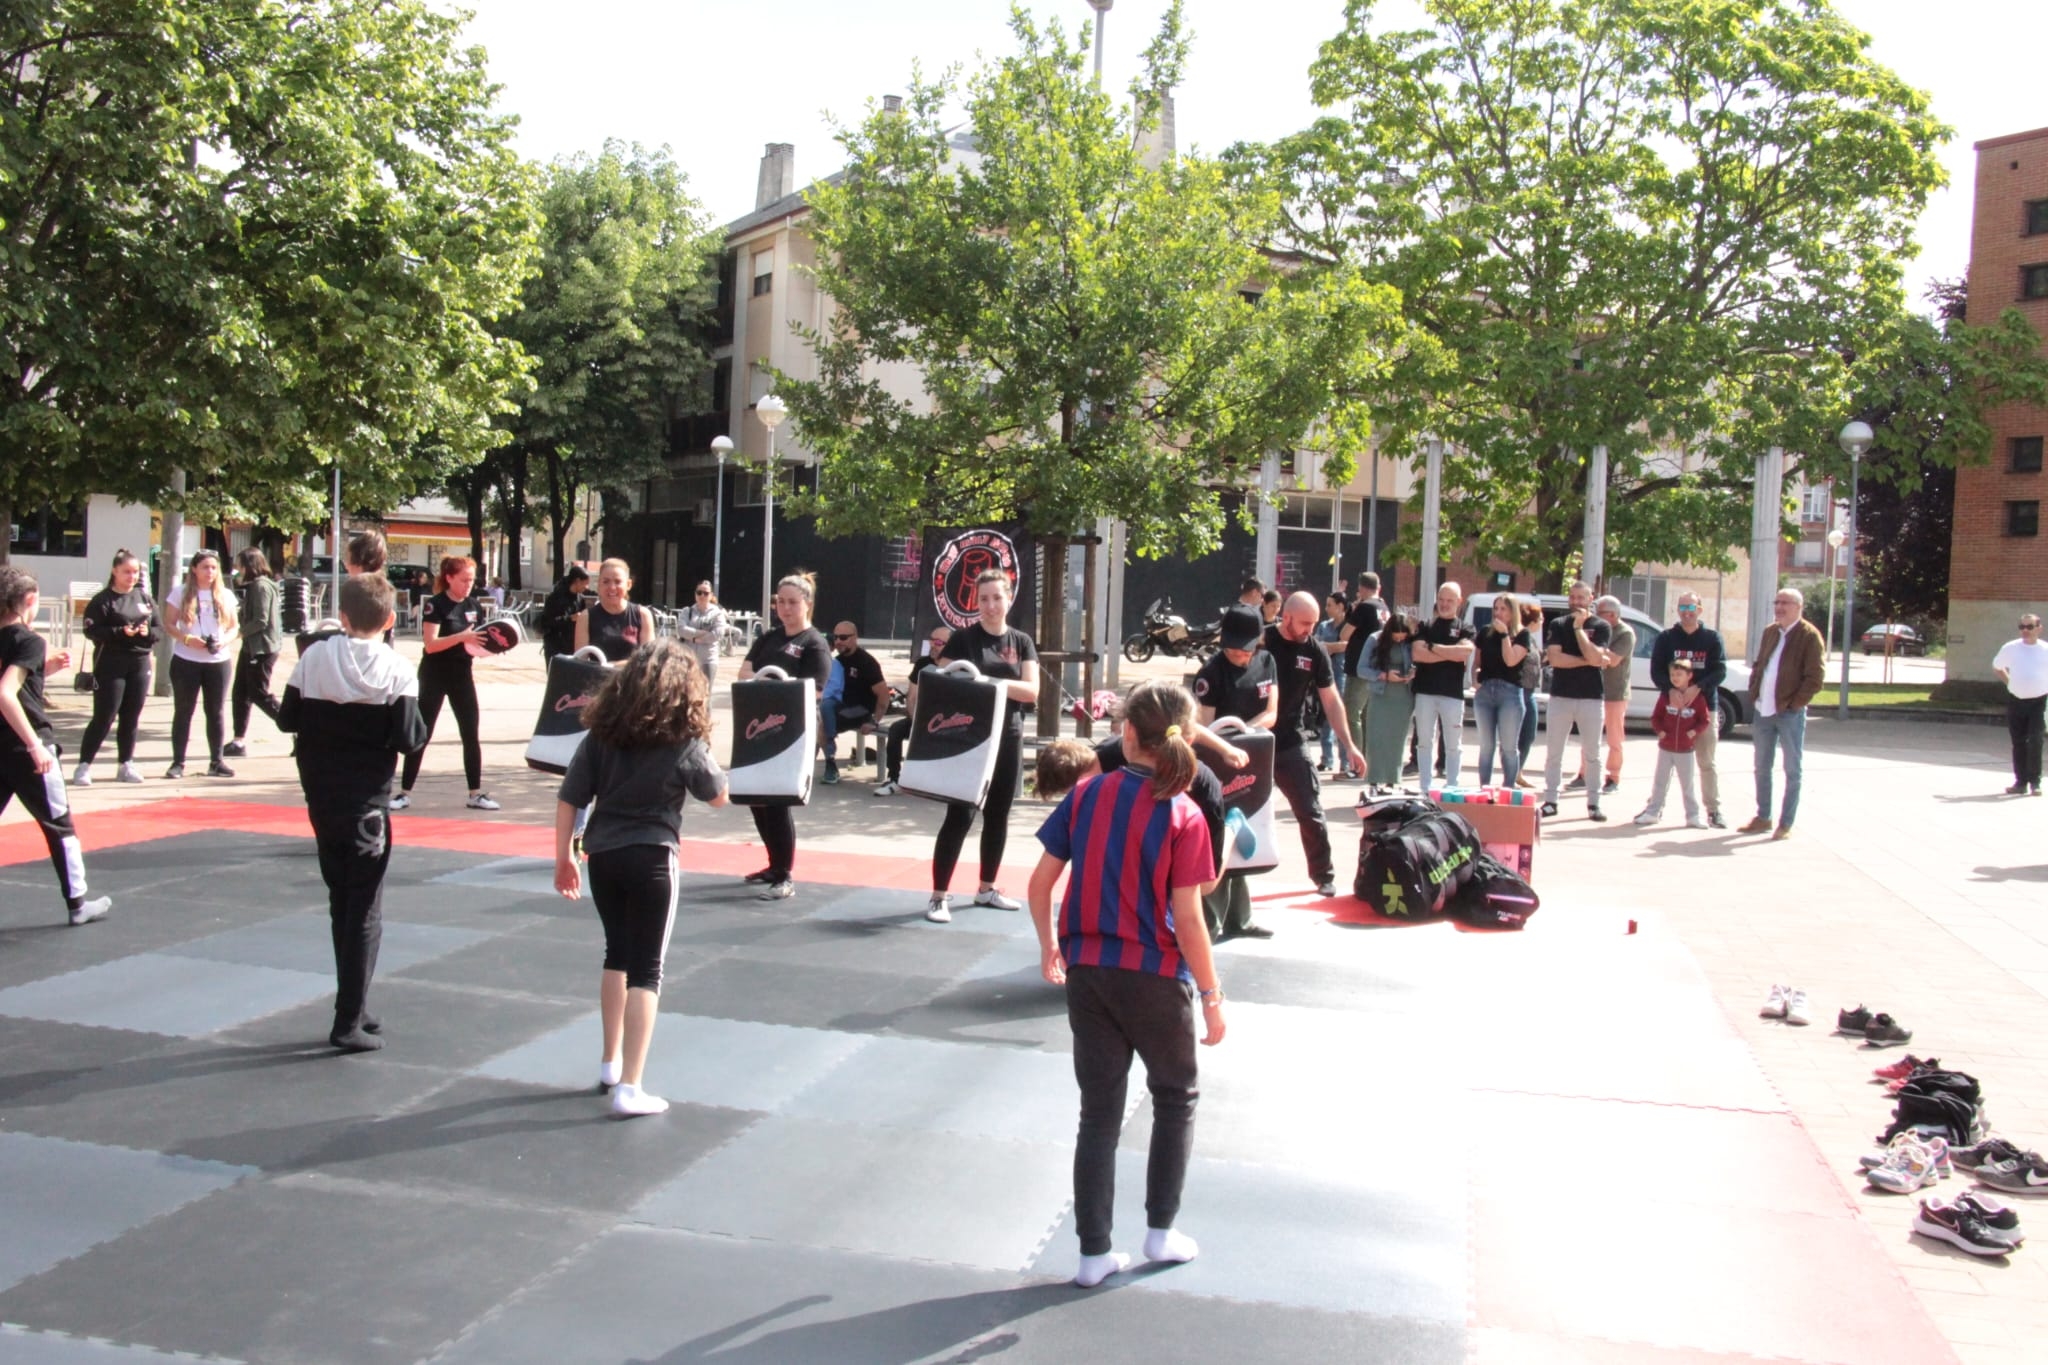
(1877, 1029)
(1917, 1158)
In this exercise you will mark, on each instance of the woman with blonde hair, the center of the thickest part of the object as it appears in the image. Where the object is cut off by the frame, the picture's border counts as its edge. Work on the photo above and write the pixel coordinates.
(647, 752)
(1498, 701)
(200, 617)
(614, 625)
(701, 625)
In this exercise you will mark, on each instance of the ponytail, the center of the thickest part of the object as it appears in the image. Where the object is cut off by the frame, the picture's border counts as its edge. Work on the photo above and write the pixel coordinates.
(1161, 714)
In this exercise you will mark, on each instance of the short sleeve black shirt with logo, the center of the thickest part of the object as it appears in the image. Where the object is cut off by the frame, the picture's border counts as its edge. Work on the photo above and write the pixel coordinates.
(1582, 684)
(1445, 679)
(802, 655)
(1001, 656)
(452, 617)
(1237, 691)
(1303, 672)
(863, 674)
(22, 648)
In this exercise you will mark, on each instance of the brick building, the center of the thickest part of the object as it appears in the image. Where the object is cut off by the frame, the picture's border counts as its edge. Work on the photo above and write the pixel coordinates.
(1998, 562)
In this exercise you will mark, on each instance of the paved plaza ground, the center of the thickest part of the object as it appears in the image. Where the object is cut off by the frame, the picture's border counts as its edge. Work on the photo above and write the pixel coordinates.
(1417, 1144)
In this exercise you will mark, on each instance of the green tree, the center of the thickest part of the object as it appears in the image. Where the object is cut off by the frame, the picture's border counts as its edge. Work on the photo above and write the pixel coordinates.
(250, 240)
(615, 320)
(1654, 225)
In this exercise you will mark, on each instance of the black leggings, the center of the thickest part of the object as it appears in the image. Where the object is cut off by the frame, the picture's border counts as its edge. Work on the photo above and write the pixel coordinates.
(777, 826)
(189, 678)
(995, 817)
(252, 688)
(123, 685)
(44, 797)
(635, 890)
(457, 687)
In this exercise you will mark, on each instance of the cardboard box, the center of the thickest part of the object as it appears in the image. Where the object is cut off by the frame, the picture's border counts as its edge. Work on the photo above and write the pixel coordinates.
(1514, 828)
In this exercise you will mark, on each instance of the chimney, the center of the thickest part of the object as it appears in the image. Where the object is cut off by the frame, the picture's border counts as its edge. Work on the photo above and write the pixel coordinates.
(892, 104)
(778, 174)
(1158, 148)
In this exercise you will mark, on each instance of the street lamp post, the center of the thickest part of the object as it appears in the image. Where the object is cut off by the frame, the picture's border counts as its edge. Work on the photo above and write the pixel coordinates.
(771, 410)
(1855, 439)
(1101, 8)
(721, 446)
(1835, 540)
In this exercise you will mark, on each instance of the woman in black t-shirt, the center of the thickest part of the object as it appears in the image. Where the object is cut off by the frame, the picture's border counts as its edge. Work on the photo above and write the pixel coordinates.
(798, 650)
(613, 623)
(121, 623)
(449, 621)
(1007, 655)
(1498, 702)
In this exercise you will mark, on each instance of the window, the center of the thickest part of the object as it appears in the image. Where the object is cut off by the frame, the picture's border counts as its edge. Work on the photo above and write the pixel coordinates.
(2026, 454)
(2023, 518)
(1816, 503)
(764, 272)
(2034, 281)
(1646, 595)
(1311, 512)
(1806, 554)
(49, 531)
(2037, 217)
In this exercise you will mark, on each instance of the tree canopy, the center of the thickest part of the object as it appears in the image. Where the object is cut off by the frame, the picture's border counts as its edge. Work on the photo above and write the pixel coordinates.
(250, 240)
(1669, 227)
(1078, 311)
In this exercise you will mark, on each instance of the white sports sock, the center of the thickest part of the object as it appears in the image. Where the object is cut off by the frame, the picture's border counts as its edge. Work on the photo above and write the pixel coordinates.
(1095, 1269)
(1165, 1244)
(630, 1101)
(608, 1073)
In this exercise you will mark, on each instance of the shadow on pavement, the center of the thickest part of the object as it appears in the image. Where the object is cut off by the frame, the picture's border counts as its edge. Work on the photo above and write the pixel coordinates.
(911, 1331)
(2037, 873)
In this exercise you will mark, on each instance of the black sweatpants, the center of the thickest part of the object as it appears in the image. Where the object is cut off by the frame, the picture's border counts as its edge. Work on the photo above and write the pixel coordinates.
(995, 817)
(1295, 775)
(252, 688)
(635, 890)
(354, 843)
(457, 687)
(777, 827)
(2023, 718)
(44, 797)
(1115, 1012)
(123, 685)
(190, 679)
(893, 740)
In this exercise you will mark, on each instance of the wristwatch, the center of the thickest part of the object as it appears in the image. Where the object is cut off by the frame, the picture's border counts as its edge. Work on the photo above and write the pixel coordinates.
(1212, 996)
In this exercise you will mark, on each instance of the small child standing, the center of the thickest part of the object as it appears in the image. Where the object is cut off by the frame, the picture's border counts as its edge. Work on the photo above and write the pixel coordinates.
(647, 752)
(1680, 716)
(28, 746)
(354, 704)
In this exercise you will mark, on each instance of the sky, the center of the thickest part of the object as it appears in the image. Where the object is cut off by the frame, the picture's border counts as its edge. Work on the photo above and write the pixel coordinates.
(715, 80)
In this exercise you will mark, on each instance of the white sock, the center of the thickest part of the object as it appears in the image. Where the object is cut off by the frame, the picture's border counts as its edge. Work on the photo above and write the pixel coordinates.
(1095, 1269)
(630, 1101)
(1165, 1244)
(608, 1072)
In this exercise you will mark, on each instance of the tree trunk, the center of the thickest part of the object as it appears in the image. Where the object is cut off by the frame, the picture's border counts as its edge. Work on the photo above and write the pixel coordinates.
(1052, 630)
(515, 511)
(559, 500)
(6, 528)
(472, 486)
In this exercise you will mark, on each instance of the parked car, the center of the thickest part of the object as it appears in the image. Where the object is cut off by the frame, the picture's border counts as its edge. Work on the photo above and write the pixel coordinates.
(1733, 702)
(1904, 640)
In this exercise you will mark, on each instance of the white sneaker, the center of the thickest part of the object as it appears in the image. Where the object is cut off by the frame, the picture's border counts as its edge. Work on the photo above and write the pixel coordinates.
(92, 910)
(81, 776)
(886, 789)
(940, 911)
(631, 1102)
(1795, 1008)
(996, 900)
(482, 801)
(127, 773)
(400, 801)
(1648, 817)
(1774, 1003)
(1696, 822)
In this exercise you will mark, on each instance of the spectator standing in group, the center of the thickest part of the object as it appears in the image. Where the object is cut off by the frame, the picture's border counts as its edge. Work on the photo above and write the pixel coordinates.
(1132, 951)
(1532, 683)
(120, 621)
(1303, 679)
(561, 610)
(1700, 646)
(262, 637)
(1330, 631)
(647, 752)
(702, 626)
(1787, 674)
(1442, 651)
(353, 702)
(613, 624)
(449, 621)
(1498, 700)
(1575, 647)
(1683, 712)
(863, 697)
(1251, 593)
(1270, 603)
(2022, 665)
(1006, 655)
(1362, 620)
(1389, 677)
(1614, 688)
(796, 648)
(898, 732)
(1240, 682)
(200, 617)
(29, 752)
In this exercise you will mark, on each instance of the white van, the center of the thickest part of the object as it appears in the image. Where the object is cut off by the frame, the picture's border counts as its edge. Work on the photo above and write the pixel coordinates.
(1642, 695)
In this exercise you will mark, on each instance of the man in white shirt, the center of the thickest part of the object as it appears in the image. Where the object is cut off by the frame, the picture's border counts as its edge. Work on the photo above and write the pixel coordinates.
(2022, 665)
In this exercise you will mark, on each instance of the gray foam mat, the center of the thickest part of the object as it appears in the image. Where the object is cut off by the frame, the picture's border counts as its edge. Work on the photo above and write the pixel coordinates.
(305, 943)
(164, 993)
(932, 1087)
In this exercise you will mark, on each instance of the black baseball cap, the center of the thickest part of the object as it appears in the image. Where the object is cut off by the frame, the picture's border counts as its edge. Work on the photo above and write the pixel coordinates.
(1242, 628)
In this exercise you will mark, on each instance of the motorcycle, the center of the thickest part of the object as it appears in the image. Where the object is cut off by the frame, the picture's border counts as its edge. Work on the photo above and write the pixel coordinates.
(1171, 635)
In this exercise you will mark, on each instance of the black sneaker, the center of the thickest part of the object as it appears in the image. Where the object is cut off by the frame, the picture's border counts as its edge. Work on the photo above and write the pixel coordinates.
(1885, 1031)
(1999, 1218)
(1596, 815)
(1853, 1021)
(1610, 786)
(174, 772)
(219, 769)
(1985, 1153)
(1959, 1228)
(1254, 931)
(1714, 820)
(1548, 809)
(765, 877)
(234, 748)
(1327, 887)
(2026, 1173)
(1577, 784)
(2016, 789)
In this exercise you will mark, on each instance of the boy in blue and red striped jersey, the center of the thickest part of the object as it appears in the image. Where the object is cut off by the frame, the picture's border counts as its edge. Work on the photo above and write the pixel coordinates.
(1131, 950)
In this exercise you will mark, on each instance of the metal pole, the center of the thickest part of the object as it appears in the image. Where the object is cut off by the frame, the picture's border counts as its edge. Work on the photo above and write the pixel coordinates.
(1101, 8)
(1336, 537)
(334, 545)
(1594, 565)
(1372, 518)
(718, 528)
(1767, 511)
(768, 542)
(1432, 521)
(1849, 592)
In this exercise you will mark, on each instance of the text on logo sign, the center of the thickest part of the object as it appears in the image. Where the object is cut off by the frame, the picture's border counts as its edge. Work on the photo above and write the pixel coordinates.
(757, 728)
(574, 701)
(1238, 784)
(952, 722)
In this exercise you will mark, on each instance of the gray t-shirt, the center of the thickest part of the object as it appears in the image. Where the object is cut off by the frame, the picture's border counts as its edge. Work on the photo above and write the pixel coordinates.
(639, 792)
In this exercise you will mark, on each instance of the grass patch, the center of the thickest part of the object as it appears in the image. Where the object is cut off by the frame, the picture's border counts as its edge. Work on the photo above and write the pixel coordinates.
(1906, 696)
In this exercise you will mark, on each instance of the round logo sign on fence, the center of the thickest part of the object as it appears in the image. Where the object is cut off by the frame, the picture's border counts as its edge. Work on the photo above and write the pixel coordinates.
(959, 562)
